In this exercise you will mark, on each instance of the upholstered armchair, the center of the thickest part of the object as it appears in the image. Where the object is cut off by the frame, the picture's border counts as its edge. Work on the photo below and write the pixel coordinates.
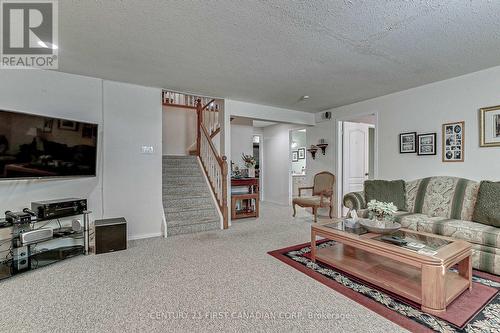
(322, 194)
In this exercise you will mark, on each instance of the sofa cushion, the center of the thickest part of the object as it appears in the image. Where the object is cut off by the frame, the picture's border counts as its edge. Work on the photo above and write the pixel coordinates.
(472, 232)
(487, 210)
(409, 220)
(447, 197)
(386, 191)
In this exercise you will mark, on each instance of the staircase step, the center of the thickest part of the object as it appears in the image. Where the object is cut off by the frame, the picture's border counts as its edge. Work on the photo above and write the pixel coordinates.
(178, 157)
(182, 172)
(186, 222)
(187, 199)
(190, 229)
(192, 216)
(186, 203)
(199, 205)
(167, 197)
(183, 181)
(186, 191)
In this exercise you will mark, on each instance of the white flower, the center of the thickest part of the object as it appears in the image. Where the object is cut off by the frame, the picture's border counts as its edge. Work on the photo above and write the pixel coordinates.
(381, 209)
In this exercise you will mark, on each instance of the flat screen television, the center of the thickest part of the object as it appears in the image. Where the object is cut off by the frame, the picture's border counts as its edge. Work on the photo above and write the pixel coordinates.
(33, 146)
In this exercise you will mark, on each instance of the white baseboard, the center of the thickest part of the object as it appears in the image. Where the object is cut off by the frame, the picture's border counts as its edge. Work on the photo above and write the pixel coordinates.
(143, 236)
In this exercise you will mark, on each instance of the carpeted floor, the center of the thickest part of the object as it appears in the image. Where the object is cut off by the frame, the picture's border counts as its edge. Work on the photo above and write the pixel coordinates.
(212, 281)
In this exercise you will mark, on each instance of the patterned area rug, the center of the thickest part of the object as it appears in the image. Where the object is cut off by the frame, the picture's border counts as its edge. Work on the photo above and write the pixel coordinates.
(476, 311)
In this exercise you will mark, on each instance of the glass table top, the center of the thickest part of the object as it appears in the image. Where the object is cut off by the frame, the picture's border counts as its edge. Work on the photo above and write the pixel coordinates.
(411, 240)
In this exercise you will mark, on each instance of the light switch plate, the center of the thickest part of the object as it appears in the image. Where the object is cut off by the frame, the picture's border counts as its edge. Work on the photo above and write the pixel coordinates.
(147, 150)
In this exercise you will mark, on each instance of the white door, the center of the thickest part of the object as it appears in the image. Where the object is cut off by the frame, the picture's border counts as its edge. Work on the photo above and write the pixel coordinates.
(355, 157)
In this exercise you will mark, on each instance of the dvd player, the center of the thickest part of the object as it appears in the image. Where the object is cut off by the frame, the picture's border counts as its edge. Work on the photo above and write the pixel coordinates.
(52, 209)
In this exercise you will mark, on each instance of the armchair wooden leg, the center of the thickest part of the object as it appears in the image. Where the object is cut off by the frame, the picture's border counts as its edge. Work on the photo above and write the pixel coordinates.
(331, 211)
(315, 212)
(294, 210)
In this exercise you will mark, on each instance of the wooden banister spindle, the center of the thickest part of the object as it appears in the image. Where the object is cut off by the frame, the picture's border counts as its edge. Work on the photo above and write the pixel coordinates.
(200, 119)
(224, 209)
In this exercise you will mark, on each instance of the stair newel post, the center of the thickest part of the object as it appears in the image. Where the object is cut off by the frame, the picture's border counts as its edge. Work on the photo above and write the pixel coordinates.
(199, 112)
(224, 209)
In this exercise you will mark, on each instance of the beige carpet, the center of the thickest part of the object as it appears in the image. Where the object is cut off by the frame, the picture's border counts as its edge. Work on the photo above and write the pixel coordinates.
(214, 281)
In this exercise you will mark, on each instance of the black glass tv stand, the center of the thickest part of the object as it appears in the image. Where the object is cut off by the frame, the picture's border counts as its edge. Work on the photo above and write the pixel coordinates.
(65, 243)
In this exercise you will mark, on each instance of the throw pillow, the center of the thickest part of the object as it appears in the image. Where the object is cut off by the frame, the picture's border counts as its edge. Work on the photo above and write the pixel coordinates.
(487, 210)
(386, 191)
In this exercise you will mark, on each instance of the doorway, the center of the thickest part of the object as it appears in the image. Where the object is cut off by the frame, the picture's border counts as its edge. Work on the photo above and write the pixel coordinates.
(298, 143)
(258, 156)
(357, 147)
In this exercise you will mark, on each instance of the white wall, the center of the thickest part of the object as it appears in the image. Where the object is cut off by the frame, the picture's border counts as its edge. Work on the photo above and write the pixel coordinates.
(322, 130)
(270, 113)
(263, 112)
(131, 118)
(58, 95)
(132, 180)
(277, 164)
(241, 140)
(424, 110)
(179, 130)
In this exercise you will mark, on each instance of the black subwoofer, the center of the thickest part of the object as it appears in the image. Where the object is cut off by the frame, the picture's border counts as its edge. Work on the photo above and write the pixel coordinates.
(110, 235)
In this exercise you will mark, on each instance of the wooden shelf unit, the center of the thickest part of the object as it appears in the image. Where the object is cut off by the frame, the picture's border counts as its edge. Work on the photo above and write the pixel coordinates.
(249, 200)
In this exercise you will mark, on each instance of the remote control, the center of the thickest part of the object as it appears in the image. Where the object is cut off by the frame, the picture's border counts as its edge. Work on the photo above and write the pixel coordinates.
(394, 240)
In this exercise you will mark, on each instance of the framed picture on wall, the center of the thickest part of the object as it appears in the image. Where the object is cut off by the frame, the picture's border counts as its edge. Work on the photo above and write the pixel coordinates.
(490, 126)
(302, 153)
(408, 143)
(454, 142)
(426, 144)
(295, 156)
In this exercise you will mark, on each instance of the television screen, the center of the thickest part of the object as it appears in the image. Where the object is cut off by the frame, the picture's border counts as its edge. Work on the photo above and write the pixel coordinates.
(36, 146)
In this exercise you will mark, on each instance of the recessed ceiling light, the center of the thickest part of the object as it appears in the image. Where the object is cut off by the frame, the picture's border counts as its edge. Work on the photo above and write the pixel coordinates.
(304, 98)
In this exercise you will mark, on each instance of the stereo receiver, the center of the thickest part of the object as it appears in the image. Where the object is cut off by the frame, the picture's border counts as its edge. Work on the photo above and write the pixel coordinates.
(52, 209)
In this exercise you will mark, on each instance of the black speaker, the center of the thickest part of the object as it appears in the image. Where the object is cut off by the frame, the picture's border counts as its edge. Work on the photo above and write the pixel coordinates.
(21, 258)
(110, 235)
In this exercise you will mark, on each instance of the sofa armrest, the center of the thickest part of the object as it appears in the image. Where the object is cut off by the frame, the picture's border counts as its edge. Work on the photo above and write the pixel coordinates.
(355, 200)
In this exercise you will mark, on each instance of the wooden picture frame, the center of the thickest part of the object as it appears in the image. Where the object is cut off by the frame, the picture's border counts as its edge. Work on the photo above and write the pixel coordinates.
(295, 156)
(408, 143)
(454, 142)
(489, 129)
(426, 144)
(302, 153)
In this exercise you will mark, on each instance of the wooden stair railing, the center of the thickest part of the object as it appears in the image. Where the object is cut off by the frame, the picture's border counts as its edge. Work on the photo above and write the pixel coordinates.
(214, 165)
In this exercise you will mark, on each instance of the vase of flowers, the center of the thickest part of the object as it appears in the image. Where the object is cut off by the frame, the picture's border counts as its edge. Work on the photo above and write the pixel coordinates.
(250, 163)
(381, 211)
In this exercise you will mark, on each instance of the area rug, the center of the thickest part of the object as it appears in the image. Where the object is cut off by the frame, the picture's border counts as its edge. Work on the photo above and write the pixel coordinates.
(474, 311)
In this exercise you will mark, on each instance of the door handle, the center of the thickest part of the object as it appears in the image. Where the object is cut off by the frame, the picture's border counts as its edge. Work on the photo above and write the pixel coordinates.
(367, 174)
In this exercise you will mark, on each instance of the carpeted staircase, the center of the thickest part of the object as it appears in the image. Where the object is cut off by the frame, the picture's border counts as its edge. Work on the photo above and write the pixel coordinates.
(187, 200)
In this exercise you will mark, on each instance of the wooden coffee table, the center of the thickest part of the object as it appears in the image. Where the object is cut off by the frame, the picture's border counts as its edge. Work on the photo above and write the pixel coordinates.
(422, 278)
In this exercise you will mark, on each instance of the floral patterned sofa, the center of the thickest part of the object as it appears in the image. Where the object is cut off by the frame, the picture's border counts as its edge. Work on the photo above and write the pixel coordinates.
(445, 206)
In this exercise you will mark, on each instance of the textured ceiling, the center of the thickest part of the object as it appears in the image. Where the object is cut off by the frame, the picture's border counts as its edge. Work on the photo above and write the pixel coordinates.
(273, 52)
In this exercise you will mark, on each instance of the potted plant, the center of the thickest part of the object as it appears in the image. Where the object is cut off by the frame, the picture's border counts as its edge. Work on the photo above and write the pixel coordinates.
(250, 163)
(381, 211)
